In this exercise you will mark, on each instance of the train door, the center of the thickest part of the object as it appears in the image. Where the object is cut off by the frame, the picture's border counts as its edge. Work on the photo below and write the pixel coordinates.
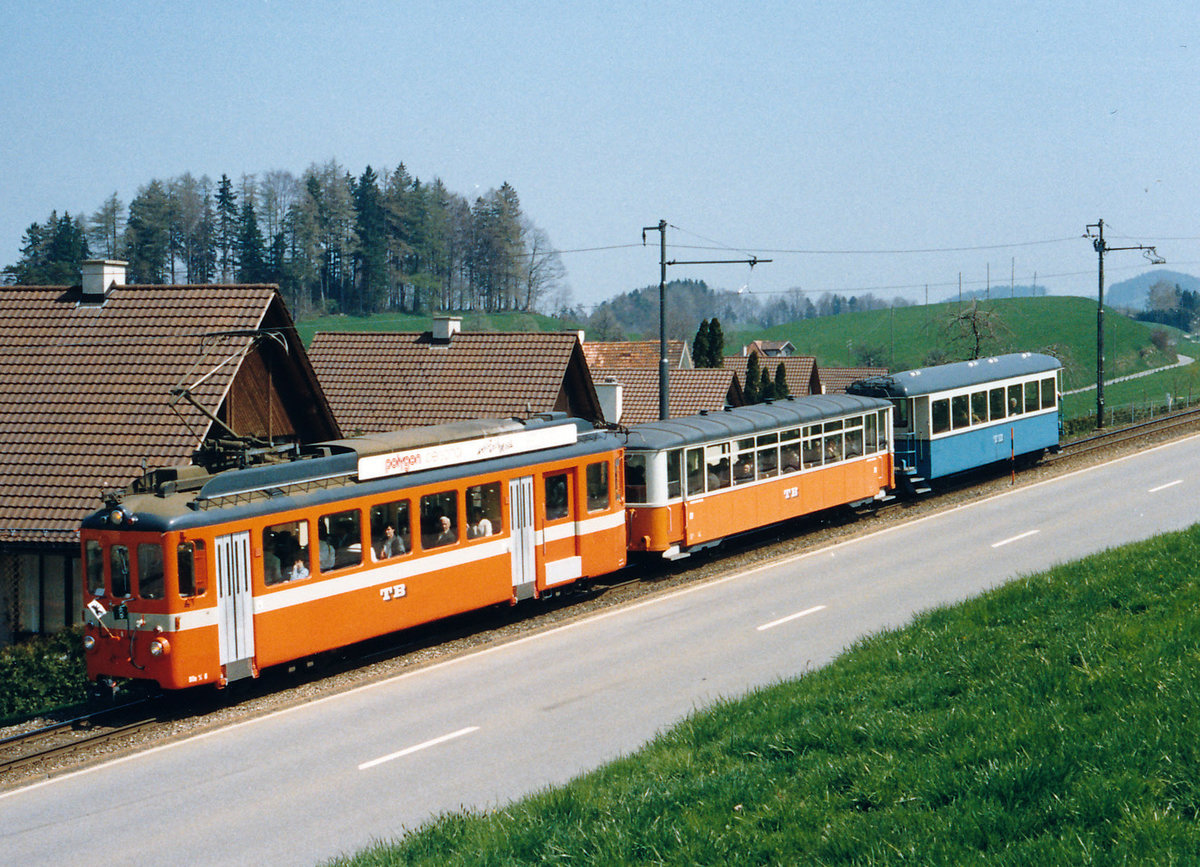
(235, 605)
(524, 565)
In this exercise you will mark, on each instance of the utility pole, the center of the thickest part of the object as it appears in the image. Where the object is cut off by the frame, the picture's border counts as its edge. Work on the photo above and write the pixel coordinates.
(664, 402)
(1101, 248)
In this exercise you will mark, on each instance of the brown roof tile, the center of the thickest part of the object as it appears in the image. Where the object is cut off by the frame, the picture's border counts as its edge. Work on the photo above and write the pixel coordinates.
(383, 381)
(835, 379)
(799, 370)
(689, 391)
(626, 354)
(84, 391)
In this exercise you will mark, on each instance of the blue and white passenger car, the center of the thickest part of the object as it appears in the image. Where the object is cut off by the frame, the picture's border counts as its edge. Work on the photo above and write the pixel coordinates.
(957, 417)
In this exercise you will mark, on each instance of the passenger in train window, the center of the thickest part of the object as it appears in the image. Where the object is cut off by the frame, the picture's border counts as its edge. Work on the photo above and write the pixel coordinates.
(744, 471)
(479, 525)
(299, 570)
(445, 534)
(326, 556)
(557, 505)
(790, 456)
(392, 545)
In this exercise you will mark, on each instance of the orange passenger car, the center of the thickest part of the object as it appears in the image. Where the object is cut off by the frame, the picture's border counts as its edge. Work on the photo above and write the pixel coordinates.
(195, 578)
(691, 482)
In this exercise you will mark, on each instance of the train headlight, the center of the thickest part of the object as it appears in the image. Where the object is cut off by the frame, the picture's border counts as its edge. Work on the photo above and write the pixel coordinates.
(160, 647)
(89, 643)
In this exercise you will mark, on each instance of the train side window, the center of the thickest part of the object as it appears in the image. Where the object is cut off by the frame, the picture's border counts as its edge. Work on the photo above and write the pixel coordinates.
(190, 569)
(674, 477)
(150, 571)
(339, 540)
(743, 468)
(285, 552)
(871, 434)
(979, 407)
(813, 456)
(716, 457)
(439, 519)
(834, 450)
(597, 486)
(854, 437)
(391, 533)
(883, 430)
(960, 410)
(900, 418)
(996, 403)
(694, 470)
(941, 415)
(1031, 396)
(1014, 400)
(118, 565)
(768, 456)
(94, 555)
(789, 457)
(635, 478)
(558, 497)
(483, 511)
(1049, 392)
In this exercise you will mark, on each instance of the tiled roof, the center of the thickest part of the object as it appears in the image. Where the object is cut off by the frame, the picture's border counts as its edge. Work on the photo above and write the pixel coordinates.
(626, 354)
(799, 370)
(835, 379)
(85, 391)
(383, 381)
(770, 348)
(689, 391)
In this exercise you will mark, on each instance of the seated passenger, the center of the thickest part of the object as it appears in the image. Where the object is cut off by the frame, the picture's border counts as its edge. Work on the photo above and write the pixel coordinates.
(744, 472)
(392, 545)
(479, 525)
(325, 553)
(445, 534)
(299, 570)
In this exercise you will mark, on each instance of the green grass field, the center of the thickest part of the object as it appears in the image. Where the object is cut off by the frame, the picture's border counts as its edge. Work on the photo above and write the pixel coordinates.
(905, 336)
(1051, 721)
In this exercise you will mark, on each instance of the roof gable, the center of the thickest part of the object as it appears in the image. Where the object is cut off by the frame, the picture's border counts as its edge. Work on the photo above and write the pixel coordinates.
(689, 392)
(85, 389)
(382, 381)
(800, 371)
(628, 354)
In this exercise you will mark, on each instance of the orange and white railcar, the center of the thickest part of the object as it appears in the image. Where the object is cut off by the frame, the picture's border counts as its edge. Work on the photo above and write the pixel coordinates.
(205, 579)
(691, 482)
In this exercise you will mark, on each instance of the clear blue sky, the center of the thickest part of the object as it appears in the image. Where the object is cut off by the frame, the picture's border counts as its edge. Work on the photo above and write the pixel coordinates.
(826, 136)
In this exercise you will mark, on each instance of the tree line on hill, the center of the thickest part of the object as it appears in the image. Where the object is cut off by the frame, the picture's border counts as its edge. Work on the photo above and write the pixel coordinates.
(636, 313)
(333, 242)
(1167, 304)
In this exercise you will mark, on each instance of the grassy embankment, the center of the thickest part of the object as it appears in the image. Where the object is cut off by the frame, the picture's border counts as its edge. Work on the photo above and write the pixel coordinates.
(906, 336)
(1048, 722)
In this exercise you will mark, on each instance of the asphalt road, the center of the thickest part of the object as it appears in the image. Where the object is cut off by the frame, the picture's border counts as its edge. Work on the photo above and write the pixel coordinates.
(311, 782)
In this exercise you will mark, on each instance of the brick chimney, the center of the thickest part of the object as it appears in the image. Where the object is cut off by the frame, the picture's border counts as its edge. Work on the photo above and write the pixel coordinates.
(99, 276)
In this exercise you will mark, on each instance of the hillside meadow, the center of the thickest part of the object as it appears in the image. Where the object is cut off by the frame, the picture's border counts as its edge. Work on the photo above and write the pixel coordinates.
(1049, 722)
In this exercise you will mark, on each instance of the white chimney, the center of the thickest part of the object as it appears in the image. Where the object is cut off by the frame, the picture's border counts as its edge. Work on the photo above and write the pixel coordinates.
(611, 395)
(445, 327)
(99, 276)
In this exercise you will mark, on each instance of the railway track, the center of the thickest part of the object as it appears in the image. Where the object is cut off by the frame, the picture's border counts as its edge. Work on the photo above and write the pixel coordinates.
(68, 743)
(76, 736)
(1116, 436)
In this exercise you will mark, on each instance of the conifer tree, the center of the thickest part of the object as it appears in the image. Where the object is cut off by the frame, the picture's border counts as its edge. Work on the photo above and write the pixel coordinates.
(227, 218)
(249, 252)
(753, 379)
(781, 386)
(716, 343)
(700, 345)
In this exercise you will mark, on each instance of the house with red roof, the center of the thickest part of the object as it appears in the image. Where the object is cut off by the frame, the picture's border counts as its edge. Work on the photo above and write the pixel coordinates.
(101, 381)
(383, 381)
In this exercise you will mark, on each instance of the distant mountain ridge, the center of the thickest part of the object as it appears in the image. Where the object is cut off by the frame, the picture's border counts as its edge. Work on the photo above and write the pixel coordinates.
(1134, 292)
